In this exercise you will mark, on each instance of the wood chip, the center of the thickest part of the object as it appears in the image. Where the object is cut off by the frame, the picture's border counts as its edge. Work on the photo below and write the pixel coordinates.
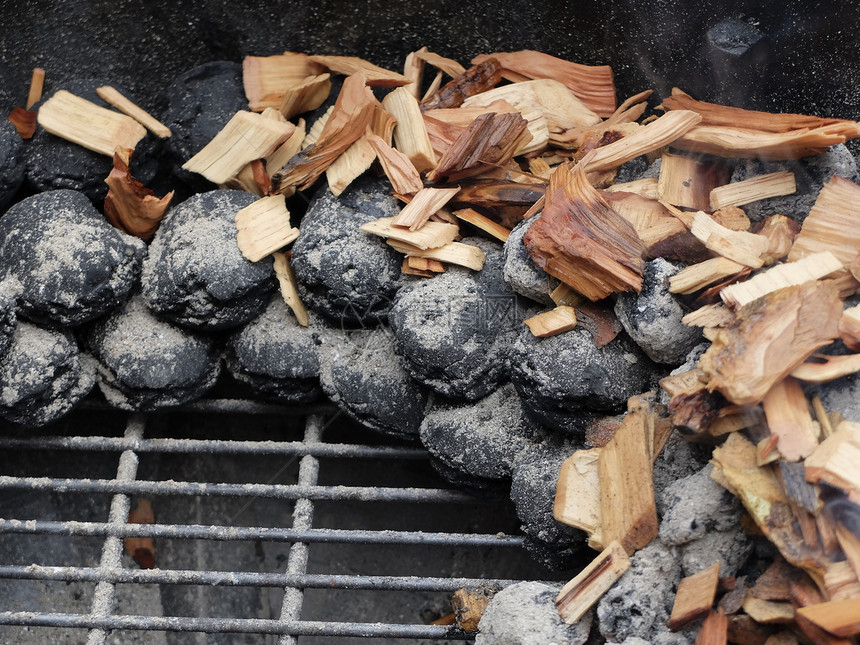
(552, 323)
(286, 150)
(457, 253)
(112, 96)
(781, 231)
(317, 129)
(425, 264)
(734, 142)
(348, 65)
(306, 95)
(413, 69)
(566, 295)
(577, 495)
(426, 202)
(744, 248)
(247, 136)
(830, 225)
(714, 629)
(478, 78)
(789, 419)
(451, 67)
(806, 269)
(583, 592)
(266, 78)
(849, 328)
(827, 368)
(264, 227)
(695, 597)
(37, 83)
(89, 125)
(698, 276)
(487, 225)
(754, 189)
(24, 122)
(469, 606)
(400, 171)
(627, 509)
(717, 315)
(840, 581)
(688, 182)
(430, 236)
(839, 617)
(768, 612)
(289, 288)
(835, 461)
(581, 241)
(410, 134)
(593, 85)
(769, 339)
(643, 187)
(129, 205)
(352, 163)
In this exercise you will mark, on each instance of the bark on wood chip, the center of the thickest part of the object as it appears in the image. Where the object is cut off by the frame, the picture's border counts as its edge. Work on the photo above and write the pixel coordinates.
(410, 134)
(289, 288)
(478, 78)
(266, 78)
(688, 182)
(348, 65)
(457, 253)
(593, 85)
(264, 227)
(306, 95)
(425, 202)
(487, 225)
(353, 112)
(129, 205)
(491, 139)
(142, 549)
(714, 629)
(553, 322)
(744, 248)
(581, 241)
(754, 189)
(581, 593)
(577, 495)
(839, 617)
(430, 236)
(89, 125)
(247, 136)
(835, 461)
(695, 597)
(769, 338)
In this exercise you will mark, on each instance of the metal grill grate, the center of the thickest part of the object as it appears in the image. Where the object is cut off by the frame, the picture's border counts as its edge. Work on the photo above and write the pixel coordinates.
(113, 571)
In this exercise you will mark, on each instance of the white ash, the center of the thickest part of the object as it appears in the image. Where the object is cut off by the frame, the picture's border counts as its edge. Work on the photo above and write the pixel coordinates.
(811, 173)
(145, 363)
(525, 614)
(679, 458)
(482, 438)
(362, 376)
(195, 274)
(564, 380)
(276, 356)
(521, 273)
(11, 163)
(42, 376)
(730, 548)
(344, 273)
(652, 317)
(72, 265)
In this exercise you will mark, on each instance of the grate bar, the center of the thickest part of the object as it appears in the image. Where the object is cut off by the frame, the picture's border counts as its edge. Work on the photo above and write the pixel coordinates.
(231, 625)
(211, 446)
(227, 533)
(245, 578)
(226, 406)
(277, 491)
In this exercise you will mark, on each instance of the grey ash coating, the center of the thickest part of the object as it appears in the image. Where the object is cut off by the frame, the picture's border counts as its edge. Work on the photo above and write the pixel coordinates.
(72, 265)
(562, 378)
(521, 273)
(196, 106)
(276, 356)
(452, 331)
(195, 274)
(54, 163)
(346, 274)
(9, 289)
(145, 363)
(11, 163)
(361, 375)
(652, 317)
(42, 375)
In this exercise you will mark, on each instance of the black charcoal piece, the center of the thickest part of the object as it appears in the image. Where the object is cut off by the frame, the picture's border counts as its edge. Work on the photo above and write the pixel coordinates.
(480, 439)
(563, 379)
(72, 265)
(42, 375)
(521, 273)
(452, 331)
(195, 274)
(196, 106)
(525, 614)
(9, 290)
(652, 317)
(145, 363)
(346, 274)
(53, 162)
(11, 163)
(276, 356)
(361, 375)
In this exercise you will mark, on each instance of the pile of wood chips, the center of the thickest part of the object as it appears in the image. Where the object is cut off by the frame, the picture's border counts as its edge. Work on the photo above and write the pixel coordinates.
(767, 296)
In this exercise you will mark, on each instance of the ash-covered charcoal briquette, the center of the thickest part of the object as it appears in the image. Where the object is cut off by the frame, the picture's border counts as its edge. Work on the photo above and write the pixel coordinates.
(11, 163)
(195, 274)
(54, 163)
(43, 375)
(564, 380)
(9, 290)
(521, 273)
(652, 317)
(361, 375)
(524, 613)
(145, 363)
(196, 106)
(346, 274)
(276, 356)
(72, 265)
(480, 439)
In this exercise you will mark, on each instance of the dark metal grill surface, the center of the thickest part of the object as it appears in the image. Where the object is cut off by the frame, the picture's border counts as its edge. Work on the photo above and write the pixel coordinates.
(302, 535)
